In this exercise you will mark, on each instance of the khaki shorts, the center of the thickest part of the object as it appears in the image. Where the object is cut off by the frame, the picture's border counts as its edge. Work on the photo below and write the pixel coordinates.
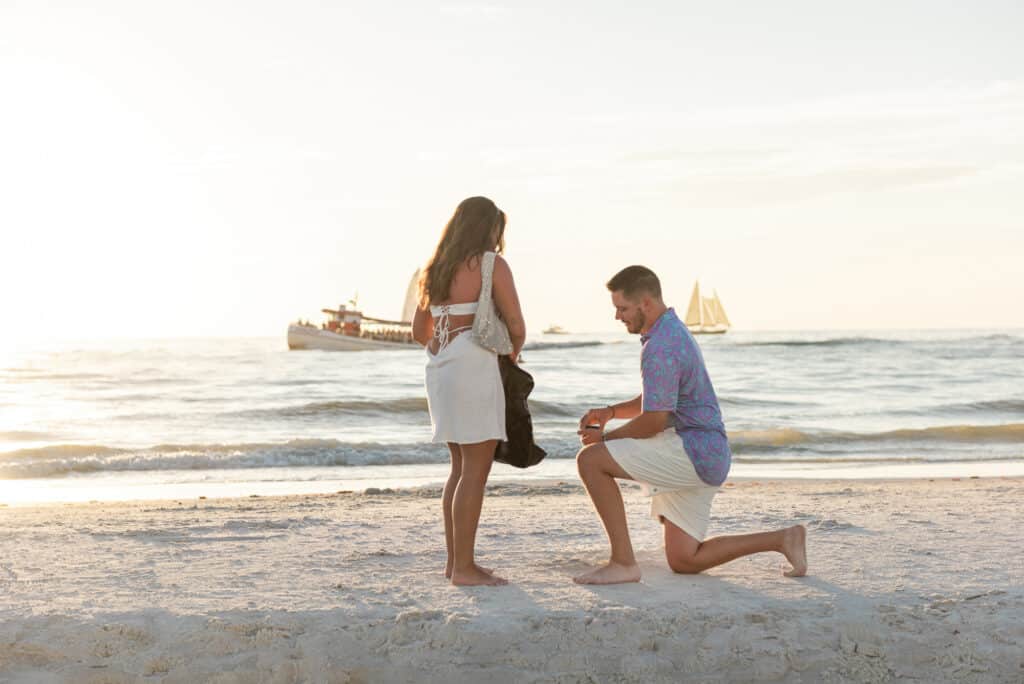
(677, 492)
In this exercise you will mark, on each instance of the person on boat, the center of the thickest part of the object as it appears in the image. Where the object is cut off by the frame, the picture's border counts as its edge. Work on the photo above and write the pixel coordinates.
(464, 390)
(674, 443)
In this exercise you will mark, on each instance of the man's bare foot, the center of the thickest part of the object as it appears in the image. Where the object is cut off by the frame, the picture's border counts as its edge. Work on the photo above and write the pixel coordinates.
(794, 548)
(611, 573)
(476, 576)
(448, 570)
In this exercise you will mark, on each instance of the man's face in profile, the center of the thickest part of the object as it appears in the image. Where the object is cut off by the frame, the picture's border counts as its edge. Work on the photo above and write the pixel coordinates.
(629, 312)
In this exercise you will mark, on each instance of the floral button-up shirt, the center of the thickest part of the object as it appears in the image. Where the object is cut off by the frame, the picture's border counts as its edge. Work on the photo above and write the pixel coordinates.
(675, 379)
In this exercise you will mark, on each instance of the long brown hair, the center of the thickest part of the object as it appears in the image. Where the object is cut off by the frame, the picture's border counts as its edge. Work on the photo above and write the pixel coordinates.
(467, 236)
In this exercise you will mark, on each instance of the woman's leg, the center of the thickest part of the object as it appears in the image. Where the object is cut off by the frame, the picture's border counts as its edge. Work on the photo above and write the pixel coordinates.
(466, 505)
(446, 503)
(446, 506)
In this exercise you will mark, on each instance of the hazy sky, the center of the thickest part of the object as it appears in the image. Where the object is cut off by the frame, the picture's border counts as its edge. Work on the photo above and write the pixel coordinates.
(210, 168)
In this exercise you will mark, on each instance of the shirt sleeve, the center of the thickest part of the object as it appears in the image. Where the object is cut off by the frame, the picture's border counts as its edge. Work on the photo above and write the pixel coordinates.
(661, 371)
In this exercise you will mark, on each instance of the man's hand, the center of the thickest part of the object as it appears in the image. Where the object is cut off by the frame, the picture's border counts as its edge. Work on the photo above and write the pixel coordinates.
(590, 435)
(597, 416)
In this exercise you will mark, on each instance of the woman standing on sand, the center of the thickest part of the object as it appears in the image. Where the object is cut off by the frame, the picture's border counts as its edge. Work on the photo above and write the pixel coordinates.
(464, 390)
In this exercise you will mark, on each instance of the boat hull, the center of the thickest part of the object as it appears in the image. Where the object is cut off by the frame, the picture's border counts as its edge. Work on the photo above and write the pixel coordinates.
(707, 330)
(304, 337)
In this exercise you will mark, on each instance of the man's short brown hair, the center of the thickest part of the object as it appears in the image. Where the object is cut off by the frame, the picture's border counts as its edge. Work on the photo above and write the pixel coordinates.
(634, 280)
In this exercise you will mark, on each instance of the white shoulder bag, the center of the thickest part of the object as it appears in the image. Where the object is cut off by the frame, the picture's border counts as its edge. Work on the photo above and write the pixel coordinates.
(489, 330)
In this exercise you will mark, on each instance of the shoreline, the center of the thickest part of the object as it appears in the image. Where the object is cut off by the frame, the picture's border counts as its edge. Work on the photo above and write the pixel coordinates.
(907, 579)
(129, 486)
(495, 486)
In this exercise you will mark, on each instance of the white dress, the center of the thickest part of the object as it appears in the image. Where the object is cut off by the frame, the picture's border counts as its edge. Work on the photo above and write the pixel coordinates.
(464, 390)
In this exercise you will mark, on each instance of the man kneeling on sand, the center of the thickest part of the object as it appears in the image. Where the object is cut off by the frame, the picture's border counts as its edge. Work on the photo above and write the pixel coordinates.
(674, 443)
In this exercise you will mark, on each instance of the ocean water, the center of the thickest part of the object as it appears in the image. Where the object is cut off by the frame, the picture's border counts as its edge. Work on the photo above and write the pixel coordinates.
(137, 419)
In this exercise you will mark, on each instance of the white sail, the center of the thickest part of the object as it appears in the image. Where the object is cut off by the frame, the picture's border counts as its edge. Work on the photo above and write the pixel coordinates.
(693, 312)
(411, 298)
(720, 316)
(707, 307)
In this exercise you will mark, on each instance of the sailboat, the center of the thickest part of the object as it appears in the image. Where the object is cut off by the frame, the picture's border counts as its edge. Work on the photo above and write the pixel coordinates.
(705, 315)
(412, 298)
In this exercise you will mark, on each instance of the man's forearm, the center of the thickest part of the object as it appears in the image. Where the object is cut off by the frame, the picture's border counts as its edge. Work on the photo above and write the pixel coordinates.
(627, 409)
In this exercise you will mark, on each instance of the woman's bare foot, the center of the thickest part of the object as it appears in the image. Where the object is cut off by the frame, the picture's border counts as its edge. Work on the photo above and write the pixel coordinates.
(794, 548)
(476, 576)
(448, 570)
(611, 573)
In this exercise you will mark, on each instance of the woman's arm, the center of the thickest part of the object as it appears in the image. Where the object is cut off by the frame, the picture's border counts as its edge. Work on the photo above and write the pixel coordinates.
(507, 300)
(422, 326)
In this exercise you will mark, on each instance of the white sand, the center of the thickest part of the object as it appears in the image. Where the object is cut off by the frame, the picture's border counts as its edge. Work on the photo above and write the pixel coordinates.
(908, 579)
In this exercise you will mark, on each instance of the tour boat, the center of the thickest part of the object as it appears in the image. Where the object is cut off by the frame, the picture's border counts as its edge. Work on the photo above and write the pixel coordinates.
(349, 329)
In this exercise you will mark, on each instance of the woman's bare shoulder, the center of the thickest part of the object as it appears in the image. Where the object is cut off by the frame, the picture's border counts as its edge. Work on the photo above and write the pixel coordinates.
(501, 265)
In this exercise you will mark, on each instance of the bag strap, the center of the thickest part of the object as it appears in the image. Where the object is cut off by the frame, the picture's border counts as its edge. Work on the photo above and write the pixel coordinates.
(486, 277)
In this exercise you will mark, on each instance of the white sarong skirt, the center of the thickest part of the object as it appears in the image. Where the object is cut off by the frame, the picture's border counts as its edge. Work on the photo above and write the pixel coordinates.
(464, 393)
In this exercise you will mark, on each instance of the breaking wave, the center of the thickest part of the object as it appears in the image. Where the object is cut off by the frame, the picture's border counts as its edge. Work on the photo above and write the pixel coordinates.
(82, 458)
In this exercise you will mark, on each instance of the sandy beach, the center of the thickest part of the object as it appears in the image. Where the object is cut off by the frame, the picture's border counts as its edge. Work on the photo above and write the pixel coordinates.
(908, 580)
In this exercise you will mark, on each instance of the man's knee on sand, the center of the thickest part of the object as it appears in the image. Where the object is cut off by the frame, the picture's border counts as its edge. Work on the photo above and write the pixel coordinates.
(682, 564)
(680, 552)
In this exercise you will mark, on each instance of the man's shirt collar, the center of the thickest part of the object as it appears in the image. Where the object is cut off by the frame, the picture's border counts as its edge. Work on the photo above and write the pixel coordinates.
(657, 324)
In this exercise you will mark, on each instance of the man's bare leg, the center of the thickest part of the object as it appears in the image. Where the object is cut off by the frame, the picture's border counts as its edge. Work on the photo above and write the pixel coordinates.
(466, 504)
(687, 555)
(598, 471)
(446, 506)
